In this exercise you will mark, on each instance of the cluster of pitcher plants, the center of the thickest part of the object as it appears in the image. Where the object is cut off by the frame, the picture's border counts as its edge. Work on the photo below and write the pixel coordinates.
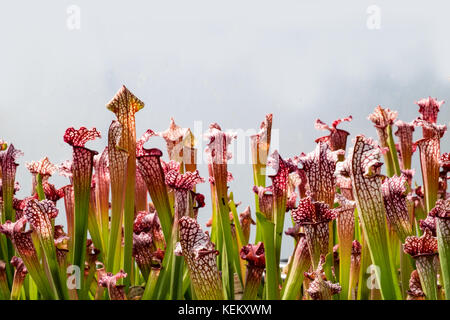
(362, 225)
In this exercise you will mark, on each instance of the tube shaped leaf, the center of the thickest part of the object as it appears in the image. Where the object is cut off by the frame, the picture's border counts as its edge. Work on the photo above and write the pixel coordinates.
(314, 216)
(19, 277)
(441, 213)
(82, 166)
(200, 256)
(429, 148)
(345, 227)
(256, 262)
(124, 105)
(150, 168)
(117, 158)
(423, 249)
(300, 263)
(363, 167)
(405, 135)
(394, 197)
(24, 246)
(383, 120)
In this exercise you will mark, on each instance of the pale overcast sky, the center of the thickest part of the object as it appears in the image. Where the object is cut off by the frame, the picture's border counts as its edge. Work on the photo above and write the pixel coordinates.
(229, 62)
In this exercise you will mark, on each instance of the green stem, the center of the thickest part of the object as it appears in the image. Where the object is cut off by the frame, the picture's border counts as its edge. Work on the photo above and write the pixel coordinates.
(301, 262)
(39, 187)
(367, 192)
(366, 261)
(50, 255)
(151, 284)
(240, 239)
(82, 175)
(16, 287)
(443, 235)
(129, 217)
(406, 267)
(393, 152)
(271, 278)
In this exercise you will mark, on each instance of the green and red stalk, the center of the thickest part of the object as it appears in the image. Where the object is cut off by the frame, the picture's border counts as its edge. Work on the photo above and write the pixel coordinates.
(19, 276)
(429, 148)
(40, 215)
(39, 187)
(300, 263)
(102, 185)
(393, 150)
(5, 293)
(94, 223)
(150, 285)
(117, 158)
(383, 120)
(405, 135)
(214, 232)
(69, 209)
(61, 241)
(82, 173)
(260, 145)
(345, 230)
(394, 192)
(441, 212)
(423, 249)
(200, 256)
(8, 168)
(182, 186)
(218, 156)
(151, 170)
(125, 105)
(241, 231)
(279, 177)
(256, 262)
(319, 167)
(159, 287)
(363, 167)
(82, 166)
(140, 201)
(24, 247)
